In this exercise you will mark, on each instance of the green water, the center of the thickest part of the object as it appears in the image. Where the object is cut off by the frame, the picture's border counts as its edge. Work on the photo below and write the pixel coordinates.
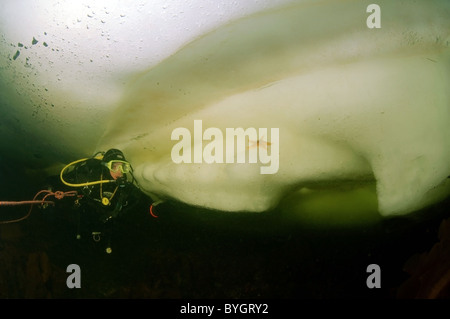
(190, 252)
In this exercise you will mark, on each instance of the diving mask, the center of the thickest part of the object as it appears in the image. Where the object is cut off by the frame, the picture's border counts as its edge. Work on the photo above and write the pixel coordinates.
(117, 165)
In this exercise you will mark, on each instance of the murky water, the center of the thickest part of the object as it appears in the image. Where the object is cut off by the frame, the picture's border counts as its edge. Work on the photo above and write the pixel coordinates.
(187, 252)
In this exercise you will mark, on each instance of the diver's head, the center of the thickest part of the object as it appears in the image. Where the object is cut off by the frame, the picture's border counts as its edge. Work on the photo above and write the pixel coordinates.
(115, 161)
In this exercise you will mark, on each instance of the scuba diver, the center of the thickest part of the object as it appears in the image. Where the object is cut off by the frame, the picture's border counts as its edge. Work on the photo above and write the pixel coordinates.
(106, 186)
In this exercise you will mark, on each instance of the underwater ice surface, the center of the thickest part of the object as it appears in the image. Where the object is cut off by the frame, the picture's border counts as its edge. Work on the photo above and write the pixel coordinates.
(361, 112)
(355, 107)
(363, 117)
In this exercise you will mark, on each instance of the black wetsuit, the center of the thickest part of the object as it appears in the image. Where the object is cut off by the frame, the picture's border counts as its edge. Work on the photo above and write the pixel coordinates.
(100, 203)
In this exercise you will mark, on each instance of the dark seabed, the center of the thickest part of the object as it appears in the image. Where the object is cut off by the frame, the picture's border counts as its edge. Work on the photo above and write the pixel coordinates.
(190, 253)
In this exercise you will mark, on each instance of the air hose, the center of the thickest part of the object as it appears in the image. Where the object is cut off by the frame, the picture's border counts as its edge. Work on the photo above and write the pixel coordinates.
(81, 184)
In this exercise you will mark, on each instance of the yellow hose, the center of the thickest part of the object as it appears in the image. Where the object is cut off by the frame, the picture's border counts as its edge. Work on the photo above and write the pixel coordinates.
(82, 184)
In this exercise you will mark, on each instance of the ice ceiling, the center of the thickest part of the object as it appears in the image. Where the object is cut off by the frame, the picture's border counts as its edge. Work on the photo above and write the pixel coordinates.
(65, 64)
(362, 113)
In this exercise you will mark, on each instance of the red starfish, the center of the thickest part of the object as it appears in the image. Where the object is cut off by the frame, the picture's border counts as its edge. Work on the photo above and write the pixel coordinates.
(259, 143)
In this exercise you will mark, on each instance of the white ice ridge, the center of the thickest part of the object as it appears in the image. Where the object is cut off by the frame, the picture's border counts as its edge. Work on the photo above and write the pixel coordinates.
(353, 105)
(358, 103)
